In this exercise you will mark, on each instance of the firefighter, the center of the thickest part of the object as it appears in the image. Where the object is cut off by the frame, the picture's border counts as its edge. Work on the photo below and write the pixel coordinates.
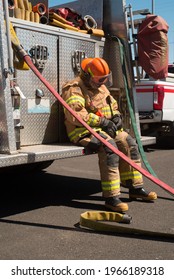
(89, 97)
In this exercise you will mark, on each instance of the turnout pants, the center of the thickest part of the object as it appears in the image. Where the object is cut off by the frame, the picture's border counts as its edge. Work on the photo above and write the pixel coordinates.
(114, 170)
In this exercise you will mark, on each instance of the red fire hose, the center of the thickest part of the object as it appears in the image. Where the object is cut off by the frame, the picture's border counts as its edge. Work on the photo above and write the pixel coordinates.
(116, 151)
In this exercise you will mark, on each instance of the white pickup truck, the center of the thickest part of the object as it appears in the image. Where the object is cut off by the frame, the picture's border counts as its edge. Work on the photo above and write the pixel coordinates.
(155, 102)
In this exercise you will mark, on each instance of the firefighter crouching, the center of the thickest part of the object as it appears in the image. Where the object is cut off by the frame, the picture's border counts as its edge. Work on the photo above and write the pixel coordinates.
(89, 97)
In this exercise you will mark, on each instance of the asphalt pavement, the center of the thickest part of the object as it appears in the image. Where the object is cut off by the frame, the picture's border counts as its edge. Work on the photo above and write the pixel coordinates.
(40, 213)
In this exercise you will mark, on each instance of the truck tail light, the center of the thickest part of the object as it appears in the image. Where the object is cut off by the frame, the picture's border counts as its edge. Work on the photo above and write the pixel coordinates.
(158, 97)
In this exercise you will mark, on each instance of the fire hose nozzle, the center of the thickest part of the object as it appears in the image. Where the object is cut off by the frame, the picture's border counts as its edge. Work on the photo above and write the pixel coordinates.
(40, 9)
(43, 20)
(126, 219)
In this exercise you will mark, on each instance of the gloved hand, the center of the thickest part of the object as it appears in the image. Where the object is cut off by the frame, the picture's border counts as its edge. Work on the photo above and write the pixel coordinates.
(117, 120)
(108, 126)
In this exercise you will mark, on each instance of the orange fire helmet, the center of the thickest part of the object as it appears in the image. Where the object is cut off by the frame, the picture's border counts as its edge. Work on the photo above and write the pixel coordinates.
(95, 66)
(85, 62)
(98, 70)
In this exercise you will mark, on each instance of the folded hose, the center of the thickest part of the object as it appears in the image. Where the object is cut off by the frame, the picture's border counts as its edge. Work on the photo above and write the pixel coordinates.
(92, 220)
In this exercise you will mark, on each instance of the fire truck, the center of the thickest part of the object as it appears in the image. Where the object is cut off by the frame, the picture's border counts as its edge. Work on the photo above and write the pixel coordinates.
(32, 131)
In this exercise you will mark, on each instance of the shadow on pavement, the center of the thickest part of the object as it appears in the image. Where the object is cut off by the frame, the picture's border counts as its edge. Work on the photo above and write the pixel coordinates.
(27, 191)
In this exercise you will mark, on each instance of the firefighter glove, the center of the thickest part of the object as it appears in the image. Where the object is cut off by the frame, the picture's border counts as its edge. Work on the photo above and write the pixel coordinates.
(117, 120)
(108, 126)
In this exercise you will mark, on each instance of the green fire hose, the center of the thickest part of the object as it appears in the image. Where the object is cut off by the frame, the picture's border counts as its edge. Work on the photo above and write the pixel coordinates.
(131, 111)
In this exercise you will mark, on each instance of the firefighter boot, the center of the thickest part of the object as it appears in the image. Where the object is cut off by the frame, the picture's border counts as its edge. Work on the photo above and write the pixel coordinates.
(115, 204)
(141, 193)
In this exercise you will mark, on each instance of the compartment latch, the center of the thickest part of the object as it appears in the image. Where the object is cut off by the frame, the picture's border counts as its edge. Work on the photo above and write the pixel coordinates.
(39, 56)
(77, 58)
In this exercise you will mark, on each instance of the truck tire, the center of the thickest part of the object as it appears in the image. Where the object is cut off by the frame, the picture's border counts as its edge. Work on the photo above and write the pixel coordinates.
(165, 142)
